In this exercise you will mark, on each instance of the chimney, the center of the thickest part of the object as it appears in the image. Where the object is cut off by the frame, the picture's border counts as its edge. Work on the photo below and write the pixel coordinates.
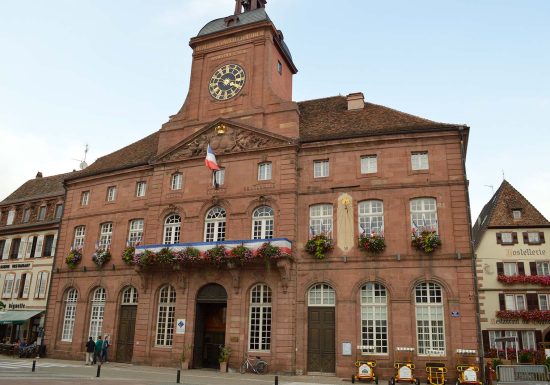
(356, 101)
(39, 174)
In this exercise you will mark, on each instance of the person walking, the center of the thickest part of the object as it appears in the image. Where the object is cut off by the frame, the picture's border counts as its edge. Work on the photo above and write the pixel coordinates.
(98, 349)
(104, 351)
(90, 348)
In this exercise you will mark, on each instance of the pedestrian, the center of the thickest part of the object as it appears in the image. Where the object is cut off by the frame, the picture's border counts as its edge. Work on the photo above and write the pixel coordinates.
(90, 348)
(104, 351)
(98, 349)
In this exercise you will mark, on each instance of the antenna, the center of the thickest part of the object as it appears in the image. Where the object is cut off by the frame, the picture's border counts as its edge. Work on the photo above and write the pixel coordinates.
(83, 163)
(503, 177)
(491, 187)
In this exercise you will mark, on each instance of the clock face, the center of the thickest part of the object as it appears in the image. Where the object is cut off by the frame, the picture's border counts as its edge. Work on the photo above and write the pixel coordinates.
(227, 82)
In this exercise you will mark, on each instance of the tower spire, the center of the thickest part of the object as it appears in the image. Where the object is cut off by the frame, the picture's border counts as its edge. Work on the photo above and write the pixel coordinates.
(248, 5)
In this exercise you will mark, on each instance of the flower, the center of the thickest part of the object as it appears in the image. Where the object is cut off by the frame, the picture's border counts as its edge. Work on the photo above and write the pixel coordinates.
(189, 256)
(225, 352)
(526, 315)
(268, 251)
(73, 258)
(165, 257)
(240, 255)
(217, 255)
(128, 255)
(425, 240)
(374, 243)
(319, 245)
(146, 258)
(101, 257)
(524, 279)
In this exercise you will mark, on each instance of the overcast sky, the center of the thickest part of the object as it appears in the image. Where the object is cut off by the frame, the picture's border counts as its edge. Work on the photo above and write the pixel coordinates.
(107, 73)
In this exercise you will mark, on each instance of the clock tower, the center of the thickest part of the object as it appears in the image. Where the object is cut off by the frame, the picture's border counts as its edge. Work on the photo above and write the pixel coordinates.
(241, 71)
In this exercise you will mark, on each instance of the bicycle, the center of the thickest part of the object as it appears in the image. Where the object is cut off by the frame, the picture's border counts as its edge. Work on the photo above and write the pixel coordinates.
(257, 365)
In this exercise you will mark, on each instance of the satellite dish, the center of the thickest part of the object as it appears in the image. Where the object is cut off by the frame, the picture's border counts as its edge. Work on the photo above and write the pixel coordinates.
(83, 163)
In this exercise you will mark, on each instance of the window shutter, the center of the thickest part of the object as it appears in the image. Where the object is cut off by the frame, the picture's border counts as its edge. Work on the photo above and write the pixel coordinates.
(499, 239)
(54, 244)
(521, 268)
(514, 238)
(27, 286)
(533, 268)
(532, 301)
(500, 268)
(15, 292)
(501, 301)
(28, 242)
(541, 236)
(486, 343)
(39, 243)
(7, 247)
(43, 285)
(525, 237)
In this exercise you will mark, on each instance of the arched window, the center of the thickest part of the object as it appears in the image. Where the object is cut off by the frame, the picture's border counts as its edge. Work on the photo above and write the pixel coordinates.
(214, 225)
(424, 214)
(321, 295)
(320, 220)
(430, 329)
(130, 296)
(97, 311)
(259, 335)
(374, 318)
(262, 223)
(371, 217)
(165, 316)
(172, 229)
(70, 313)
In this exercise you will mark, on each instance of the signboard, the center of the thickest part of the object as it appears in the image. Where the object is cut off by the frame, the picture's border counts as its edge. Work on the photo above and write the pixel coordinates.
(346, 348)
(455, 314)
(180, 326)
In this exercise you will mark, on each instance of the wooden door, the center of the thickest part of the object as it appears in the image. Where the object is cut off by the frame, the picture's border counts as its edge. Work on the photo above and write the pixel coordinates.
(321, 348)
(126, 330)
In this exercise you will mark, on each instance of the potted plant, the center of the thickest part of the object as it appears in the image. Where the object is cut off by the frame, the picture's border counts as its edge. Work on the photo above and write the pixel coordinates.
(101, 257)
(128, 255)
(185, 355)
(73, 258)
(319, 245)
(239, 255)
(373, 242)
(217, 255)
(425, 240)
(225, 352)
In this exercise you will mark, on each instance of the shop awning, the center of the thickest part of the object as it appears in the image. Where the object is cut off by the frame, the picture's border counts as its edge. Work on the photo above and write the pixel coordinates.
(17, 316)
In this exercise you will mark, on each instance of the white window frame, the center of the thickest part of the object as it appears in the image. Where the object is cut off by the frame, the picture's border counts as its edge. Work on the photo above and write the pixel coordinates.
(374, 318)
(420, 161)
(176, 182)
(172, 229)
(430, 320)
(533, 237)
(41, 284)
(105, 235)
(11, 217)
(9, 281)
(166, 316)
(507, 238)
(79, 237)
(96, 313)
(516, 214)
(58, 211)
(141, 188)
(424, 214)
(130, 296)
(371, 216)
(320, 219)
(515, 302)
(260, 319)
(111, 193)
(27, 215)
(321, 295)
(498, 334)
(528, 340)
(218, 177)
(544, 301)
(85, 198)
(42, 211)
(321, 168)
(70, 314)
(369, 164)
(215, 224)
(263, 223)
(510, 269)
(27, 285)
(265, 171)
(543, 268)
(135, 232)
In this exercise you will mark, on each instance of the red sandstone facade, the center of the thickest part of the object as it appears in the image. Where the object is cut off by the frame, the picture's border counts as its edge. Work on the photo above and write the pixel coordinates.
(315, 311)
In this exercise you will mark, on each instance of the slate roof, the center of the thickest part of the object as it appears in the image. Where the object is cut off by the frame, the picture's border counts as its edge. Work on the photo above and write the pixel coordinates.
(38, 188)
(329, 118)
(497, 213)
(244, 18)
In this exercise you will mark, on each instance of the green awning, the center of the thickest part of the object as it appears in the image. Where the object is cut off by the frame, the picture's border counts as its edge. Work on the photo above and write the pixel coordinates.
(17, 316)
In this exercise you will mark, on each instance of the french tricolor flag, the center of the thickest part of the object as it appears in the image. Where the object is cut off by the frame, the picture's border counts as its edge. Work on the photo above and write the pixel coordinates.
(210, 159)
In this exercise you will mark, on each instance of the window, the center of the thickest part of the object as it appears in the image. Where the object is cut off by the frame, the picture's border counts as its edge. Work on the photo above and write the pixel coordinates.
(320, 220)
(259, 335)
(320, 169)
(11, 217)
(430, 330)
(424, 214)
(2, 246)
(218, 177)
(48, 246)
(27, 215)
(25, 285)
(516, 214)
(130, 296)
(374, 318)
(58, 211)
(533, 238)
(165, 317)
(135, 236)
(262, 223)
(264, 171)
(41, 284)
(15, 244)
(42, 213)
(111, 193)
(419, 161)
(32, 242)
(543, 268)
(528, 340)
(514, 302)
(321, 295)
(79, 236)
(371, 217)
(97, 311)
(506, 238)
(85, 199)
(214, 225)
(141, 187)
(544, 303)
(105, 235)
(510, 268)
(177, 180)
(501, 333)
(369, 164)
(9, 279)
(70, 315)
(279, 67)
(172, 229)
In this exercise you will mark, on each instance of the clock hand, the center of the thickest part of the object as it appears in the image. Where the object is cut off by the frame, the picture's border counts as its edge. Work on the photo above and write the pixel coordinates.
(233, 84)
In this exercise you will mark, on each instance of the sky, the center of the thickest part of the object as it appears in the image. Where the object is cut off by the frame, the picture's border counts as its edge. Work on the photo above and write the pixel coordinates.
(107, 73)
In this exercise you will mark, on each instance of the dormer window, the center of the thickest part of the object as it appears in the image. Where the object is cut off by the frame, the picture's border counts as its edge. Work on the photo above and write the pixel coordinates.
(516, 213)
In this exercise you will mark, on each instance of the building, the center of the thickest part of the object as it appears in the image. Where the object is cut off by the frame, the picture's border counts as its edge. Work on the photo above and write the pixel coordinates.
(29, 224)
(513, 271)
(324, 171)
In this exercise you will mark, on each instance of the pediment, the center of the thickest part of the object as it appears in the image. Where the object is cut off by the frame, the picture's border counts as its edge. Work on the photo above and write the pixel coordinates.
(235, 138)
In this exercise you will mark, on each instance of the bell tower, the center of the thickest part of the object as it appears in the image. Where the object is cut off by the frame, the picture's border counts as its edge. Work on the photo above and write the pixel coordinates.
(242, 71)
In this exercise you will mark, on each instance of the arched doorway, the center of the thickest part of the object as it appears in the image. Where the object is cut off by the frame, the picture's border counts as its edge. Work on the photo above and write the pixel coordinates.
(210, 319)
(127, 325)
(321, 336)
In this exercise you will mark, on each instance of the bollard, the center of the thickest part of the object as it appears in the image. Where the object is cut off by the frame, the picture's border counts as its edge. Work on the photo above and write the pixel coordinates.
(33, 365)
(276, 380)
(178, 377)
(98, 370)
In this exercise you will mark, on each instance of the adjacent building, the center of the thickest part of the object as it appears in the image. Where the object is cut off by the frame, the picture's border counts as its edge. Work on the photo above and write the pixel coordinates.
(263, 254)
(513, 263)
